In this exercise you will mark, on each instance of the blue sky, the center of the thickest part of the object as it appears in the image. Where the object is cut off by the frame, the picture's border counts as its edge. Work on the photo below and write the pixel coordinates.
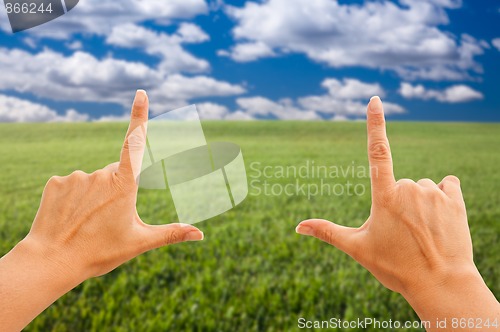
(430, 60)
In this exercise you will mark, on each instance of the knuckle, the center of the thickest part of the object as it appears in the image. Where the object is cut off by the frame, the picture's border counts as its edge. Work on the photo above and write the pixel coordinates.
(138, 112)
(98, 172)
(425, 181)
(326, 235)
(77, 175)
(408, 185)
(379, 150)
(97, 175)
(55, 181)
(120, 184)
(405, 183)
(377, 120)
(136, 140)
(452, 178)
(174, 236)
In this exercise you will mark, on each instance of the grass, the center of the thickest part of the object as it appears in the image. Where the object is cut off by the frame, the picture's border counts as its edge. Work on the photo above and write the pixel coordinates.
(252, 272)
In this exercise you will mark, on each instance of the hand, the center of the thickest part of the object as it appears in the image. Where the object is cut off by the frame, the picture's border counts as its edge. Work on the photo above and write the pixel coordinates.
(86, 226)
(416, 240)
(89, 222)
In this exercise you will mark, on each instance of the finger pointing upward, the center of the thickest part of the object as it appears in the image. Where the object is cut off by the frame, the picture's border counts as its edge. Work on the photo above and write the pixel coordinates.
(379, 152)
(135, 140)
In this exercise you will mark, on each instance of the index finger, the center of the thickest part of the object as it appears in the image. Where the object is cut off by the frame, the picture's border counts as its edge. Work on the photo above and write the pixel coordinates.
(135, 140)
(379, 151)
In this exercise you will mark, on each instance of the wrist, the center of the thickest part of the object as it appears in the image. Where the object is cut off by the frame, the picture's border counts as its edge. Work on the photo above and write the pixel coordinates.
(441, 281)
(32, 277)
(460, 292)
(61, 276)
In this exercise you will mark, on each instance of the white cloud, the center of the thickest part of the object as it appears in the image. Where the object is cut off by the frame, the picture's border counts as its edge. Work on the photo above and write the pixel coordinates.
(402, 37)
(496, 43)
(246, 52)
(454, 94)
(339, 118)
(81, 77)
(212, 111)
(100, 16)
(283, 109)
(176, 91)
(191, 33)
(168, 47)
(330, 105)
(239, 116)
(114, 118)
(206, 111)
(346, 99)
(32, 43)
(72, 115)
(14, 109)
(184, 87)
(75, 45)
(350, 88)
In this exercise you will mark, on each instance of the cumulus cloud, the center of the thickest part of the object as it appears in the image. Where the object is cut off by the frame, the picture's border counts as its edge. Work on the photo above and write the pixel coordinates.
(13, 109)
(245, 52)
(191, 33)
(168, 47)
(345, 108)
(496, 43)
(74, 45)
(283, 109)
(346, 99)
(239, 116)
(98, 17)
(78, 77)
(454, 94)
(212, 111)
(30, 42)
(206, 111)
(176, 91)
(350, 88)
(114, 118)
(403, 37)
(82, 77)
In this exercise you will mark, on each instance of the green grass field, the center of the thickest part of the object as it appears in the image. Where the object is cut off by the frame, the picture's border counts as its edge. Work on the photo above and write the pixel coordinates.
(252, 272)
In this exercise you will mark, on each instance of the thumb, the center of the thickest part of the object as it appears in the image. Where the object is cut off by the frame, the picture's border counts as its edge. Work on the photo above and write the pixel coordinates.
(343, 238)
(156, 236)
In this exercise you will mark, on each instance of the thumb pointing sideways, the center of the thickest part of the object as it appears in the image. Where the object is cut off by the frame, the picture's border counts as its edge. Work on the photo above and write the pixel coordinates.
(162, 235)
(339, 236)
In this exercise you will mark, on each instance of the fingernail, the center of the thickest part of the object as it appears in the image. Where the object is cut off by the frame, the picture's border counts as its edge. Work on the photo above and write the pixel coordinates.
(304, 230)
(375, 105)
(194, 236)
(140, 97)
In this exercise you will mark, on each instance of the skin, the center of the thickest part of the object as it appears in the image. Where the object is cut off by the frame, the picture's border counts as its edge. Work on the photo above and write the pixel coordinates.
(416, 241)
(86, 226)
